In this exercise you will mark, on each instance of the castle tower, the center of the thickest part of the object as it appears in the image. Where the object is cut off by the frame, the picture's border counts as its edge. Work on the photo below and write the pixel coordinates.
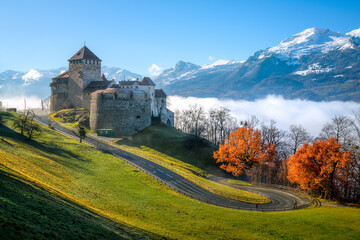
(84, 68)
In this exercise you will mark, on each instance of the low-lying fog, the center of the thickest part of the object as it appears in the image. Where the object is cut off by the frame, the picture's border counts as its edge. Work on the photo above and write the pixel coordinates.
(309, 114)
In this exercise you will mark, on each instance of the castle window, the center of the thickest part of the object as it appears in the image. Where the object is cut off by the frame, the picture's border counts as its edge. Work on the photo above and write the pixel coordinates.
(85, 61)
(97, 62)
(138, 117)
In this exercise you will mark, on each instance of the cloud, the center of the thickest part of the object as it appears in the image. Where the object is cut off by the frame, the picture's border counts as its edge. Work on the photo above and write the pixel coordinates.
(211, 58)
(31, 76)
(309, 114)
(18, 102)
(154, 70)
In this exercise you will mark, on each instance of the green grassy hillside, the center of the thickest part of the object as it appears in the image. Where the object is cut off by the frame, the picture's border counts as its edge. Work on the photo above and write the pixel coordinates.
(175, 147)
(185, 154)
(64, 170)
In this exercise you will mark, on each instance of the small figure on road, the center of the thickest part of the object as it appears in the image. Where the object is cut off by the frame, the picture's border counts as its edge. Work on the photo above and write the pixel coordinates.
(295, 204)
(257, 205)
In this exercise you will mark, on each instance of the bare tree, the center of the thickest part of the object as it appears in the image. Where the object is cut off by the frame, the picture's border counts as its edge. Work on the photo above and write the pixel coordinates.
(273, 135)
(32, 127)
(340, 128)
(21, 121)
(196, 116)
(297, 136)
(251, 122)
(354, 193)
(27, 125)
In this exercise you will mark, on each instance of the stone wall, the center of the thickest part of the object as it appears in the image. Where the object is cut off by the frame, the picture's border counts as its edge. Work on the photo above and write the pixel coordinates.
(126, 111)
(91, 72)
(75, 84)
(59, 95)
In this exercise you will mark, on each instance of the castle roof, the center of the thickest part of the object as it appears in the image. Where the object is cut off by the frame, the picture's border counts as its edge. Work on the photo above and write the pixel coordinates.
(96, 85)
(159, 93)
(119, 90)
(127, 83)
(63, 75)
(84, 53)
(146, 81)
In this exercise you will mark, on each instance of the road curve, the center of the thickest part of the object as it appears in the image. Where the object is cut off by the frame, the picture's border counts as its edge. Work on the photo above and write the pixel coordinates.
(280, 200)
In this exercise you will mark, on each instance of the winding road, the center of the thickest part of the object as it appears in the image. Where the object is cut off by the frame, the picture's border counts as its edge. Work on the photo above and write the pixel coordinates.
(281, 200)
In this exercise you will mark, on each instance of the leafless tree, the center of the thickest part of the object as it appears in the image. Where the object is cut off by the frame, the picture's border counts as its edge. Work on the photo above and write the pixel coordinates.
(21, 121)
(273, 135)
(340, 128)
(297, 136)
(26, 124)
(32, 127)
(196, 116)
(251, 122)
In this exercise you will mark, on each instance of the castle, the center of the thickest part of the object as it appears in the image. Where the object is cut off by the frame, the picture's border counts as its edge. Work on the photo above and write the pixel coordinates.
(124, 107)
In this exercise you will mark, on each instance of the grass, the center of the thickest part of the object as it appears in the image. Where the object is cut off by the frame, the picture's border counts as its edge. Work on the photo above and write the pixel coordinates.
(185, 154)
(239, 182)
(71, 118)
(117, 191)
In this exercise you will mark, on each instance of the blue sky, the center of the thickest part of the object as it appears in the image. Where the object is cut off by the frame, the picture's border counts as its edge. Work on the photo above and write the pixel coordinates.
(136, 34)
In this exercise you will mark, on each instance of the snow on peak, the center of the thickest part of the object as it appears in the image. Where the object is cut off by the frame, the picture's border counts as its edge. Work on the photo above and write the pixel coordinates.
(310, 40)
(31, 76)
(218, 63)
(355, 33)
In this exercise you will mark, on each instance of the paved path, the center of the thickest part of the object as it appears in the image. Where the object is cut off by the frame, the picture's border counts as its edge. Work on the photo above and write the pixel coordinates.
(280, 201)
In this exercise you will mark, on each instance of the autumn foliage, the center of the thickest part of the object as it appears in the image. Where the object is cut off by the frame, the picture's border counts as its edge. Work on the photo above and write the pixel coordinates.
(242, 150)
(320, 166)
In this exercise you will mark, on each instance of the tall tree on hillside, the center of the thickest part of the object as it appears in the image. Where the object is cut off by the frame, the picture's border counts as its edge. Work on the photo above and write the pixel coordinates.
(196, 116)
(319, 166)
(242, 149)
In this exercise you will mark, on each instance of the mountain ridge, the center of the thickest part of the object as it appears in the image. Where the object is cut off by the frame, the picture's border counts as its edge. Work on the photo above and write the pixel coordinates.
(36, 81)
(315, 64)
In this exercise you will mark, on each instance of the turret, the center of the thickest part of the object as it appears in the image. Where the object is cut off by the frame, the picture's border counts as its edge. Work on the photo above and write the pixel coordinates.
(84, 67)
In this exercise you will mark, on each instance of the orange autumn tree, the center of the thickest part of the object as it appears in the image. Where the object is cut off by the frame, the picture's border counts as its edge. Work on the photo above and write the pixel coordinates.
(319, 166)
(241, 150)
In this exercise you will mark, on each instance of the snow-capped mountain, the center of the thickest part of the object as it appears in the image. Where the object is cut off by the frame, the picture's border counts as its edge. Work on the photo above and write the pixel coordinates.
(315, 64)
(119, 74)
(185, 71)
(36, 82)
(312, 40)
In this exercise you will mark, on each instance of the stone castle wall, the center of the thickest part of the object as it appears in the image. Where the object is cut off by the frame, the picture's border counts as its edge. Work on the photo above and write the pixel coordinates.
(126, 112)
(80, 76)
(75, 85)
(91, 72)
(59, 95)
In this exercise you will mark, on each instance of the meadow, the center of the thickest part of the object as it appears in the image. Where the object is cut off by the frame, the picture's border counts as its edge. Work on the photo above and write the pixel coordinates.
(131, 202)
